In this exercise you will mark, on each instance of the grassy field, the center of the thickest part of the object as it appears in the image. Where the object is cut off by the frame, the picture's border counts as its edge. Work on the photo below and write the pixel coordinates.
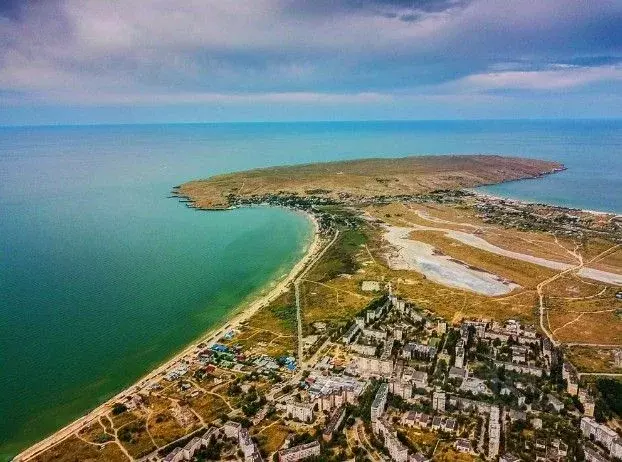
(73, 449)
(209, 407)
(271, 436)
(135, 438)
(162, 424)
(447, 453)
(583, 320)
(272, 330)
(590, 359)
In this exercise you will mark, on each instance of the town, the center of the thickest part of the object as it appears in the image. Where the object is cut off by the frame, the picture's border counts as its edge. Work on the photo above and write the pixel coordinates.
(398, 383)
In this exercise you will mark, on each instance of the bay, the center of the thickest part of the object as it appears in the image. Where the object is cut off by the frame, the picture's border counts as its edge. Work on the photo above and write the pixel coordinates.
(102, 276)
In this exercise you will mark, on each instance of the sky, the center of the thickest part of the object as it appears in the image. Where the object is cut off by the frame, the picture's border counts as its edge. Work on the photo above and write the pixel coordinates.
(149, 61)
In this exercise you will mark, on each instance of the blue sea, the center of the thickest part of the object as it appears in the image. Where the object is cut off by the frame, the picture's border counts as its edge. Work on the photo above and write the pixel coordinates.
(103, 276)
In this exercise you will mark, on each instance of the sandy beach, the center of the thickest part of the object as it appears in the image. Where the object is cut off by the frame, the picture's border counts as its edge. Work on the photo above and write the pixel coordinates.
(245, 312)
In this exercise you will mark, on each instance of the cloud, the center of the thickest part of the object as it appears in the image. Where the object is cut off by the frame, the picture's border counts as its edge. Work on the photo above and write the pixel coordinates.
(558, 78)
(301, 52)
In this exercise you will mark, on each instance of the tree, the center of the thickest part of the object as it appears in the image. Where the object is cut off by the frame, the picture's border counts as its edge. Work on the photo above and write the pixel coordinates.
(119, 408)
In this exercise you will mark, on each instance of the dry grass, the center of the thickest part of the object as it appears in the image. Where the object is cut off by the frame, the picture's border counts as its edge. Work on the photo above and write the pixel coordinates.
(611, 262)
(527, 275)
(73, 450)
(447, 453)
(95, 433)
(464, 218)
(594, 320)
(571, 286)
(124, 418)
(140, 443)
(209, 407)
(590, 359)
(422, 438)
(162, 424)
(601, 328)
(272, 330)
(334, 303)
(272, 437)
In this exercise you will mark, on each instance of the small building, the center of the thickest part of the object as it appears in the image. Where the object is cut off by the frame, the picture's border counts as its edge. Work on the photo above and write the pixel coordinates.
(232, 429)
(509, 457)
(348, 337)
(418, 457)
(475, 386)
(460, 354)
(463, 445)
(191, 447)
(176, 455)
(457, 373)
(593, 456)
(555, 403)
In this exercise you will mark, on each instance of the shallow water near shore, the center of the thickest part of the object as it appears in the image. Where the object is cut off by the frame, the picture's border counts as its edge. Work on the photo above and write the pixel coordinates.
(102, 276)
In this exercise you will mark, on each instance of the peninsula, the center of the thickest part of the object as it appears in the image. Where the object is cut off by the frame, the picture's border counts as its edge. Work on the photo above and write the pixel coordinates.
(426, 323)
(359, 180)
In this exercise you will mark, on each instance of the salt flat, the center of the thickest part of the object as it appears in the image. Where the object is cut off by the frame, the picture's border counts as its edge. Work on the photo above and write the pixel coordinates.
(418, 256)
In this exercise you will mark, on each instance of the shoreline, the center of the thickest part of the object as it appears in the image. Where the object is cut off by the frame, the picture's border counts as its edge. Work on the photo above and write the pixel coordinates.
(241, 313)
(487, 195)
(245, 310)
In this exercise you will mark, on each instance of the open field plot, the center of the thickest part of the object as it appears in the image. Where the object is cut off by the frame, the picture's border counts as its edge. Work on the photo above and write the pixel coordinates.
(447, 453)
(592, 359)
(612, 262)
(271, 330)
(136, 439)
(271, 437)
(341, 298)
(396, 213)
(74, 449)
(334, 301)
(525, 274)
(594, 320)
(96, 433)
(331, 290)
(459, 216)
(464, 218)
(210, 406)
(162, 425)
(424, 440)
(124, 418)
(573, 287)
(591, 328)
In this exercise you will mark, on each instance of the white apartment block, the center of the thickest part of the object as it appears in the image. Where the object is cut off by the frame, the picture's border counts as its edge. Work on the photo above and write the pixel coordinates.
(494, 432)
(300, 411)
(380, 402)
(299, 452)
(438, 401)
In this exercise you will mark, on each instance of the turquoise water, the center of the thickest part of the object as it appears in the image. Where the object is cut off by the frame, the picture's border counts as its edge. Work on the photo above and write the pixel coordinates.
(102, 276)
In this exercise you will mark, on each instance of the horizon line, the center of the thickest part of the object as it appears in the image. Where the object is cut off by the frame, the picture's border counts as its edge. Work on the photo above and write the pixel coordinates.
(311, 121)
